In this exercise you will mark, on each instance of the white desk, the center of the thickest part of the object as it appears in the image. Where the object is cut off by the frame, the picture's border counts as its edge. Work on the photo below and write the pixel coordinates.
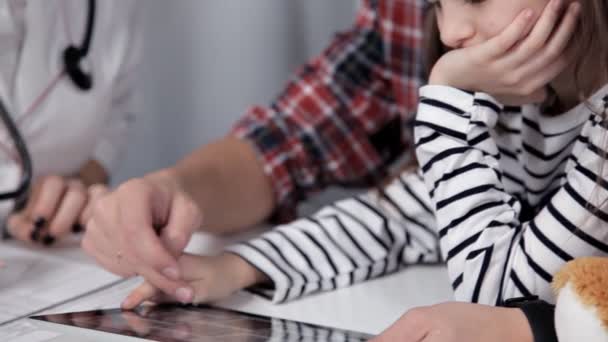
(369, 307)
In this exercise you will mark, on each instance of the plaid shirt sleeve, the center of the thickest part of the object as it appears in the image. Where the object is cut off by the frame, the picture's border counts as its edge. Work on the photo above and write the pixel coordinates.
(345, 117)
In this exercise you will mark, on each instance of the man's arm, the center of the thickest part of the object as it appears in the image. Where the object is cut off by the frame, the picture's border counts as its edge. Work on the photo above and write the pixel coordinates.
(343, 119)
(338, 122)
(228, 182)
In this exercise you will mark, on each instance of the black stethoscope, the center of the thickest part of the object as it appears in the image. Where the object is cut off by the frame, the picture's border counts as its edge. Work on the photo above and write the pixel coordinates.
(72, 56)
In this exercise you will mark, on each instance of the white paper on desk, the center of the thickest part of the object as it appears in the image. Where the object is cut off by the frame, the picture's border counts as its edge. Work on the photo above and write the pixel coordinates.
(109, 298)
(34, 281)
(24, 331)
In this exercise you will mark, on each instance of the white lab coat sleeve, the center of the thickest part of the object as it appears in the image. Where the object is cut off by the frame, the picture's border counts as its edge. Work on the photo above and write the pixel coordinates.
(125, 97)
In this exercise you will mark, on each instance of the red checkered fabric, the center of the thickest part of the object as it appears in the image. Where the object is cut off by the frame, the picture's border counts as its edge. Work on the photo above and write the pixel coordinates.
(345, 117)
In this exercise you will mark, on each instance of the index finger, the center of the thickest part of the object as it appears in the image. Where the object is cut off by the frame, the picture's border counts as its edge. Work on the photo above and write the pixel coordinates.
(139, 235)
(46, 202)
(72, 204)
(509, 37)
(544, 27)
(146, 251)
(184, 219)
(139, 295)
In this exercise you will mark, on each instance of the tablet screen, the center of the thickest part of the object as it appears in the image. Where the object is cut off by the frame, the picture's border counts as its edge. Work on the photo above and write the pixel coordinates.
(173, 323)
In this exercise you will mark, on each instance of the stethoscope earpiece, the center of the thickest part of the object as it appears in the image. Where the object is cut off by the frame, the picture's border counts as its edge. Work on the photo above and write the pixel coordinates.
(71, 58)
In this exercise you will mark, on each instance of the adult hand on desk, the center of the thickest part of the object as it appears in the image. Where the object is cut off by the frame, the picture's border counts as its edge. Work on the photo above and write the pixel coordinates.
(456, 322)
(212, 278)
(55, 208)
(142, 228)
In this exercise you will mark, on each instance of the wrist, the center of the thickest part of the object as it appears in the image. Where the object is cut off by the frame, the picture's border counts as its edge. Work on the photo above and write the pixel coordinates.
(244, 274)
(438, 76)
(517, 325)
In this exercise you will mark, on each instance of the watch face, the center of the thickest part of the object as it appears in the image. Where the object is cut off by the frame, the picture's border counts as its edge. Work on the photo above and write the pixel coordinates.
(173, 323)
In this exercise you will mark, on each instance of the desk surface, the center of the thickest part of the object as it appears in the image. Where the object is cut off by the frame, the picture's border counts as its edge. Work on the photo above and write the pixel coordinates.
(369, 307)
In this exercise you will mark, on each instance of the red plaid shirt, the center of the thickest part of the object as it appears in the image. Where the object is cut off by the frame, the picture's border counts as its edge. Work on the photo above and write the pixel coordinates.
(345, 117)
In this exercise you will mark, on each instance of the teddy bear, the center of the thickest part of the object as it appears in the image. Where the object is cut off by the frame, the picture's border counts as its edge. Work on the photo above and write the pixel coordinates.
(581, 310)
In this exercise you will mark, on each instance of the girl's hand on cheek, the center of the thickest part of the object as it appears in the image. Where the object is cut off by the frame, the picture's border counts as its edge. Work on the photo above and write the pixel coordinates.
(517, 64)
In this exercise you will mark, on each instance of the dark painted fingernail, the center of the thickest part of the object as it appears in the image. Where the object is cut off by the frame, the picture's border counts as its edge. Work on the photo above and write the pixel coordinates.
(77, 228)
(48, 240)
(6, 234)
(158, 229)
(40, 222)
(35, 235)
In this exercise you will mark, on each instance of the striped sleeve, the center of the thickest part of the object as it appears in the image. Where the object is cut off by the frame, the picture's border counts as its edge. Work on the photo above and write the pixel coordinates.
(491, 255)
(350, 241)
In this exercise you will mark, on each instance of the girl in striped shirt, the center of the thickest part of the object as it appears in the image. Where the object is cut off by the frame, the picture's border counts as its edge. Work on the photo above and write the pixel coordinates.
(510, 183)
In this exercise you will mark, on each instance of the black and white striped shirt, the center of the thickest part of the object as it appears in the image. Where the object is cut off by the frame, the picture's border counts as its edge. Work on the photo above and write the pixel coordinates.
(504, 199)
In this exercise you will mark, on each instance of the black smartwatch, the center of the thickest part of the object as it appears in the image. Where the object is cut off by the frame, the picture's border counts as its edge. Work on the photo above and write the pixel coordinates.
(540, 315)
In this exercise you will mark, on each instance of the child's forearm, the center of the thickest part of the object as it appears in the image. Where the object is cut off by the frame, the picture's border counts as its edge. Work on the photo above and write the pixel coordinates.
(246, 275)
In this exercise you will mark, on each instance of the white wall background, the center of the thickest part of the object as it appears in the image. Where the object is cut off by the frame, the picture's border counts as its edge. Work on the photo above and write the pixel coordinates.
(206, 61)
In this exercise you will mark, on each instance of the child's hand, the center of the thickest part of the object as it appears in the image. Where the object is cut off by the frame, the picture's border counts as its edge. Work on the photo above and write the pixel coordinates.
(211, 278)
(455, 322)
(518, 63)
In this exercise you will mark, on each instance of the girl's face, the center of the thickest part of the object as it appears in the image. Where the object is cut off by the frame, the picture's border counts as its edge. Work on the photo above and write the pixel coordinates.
(464, 23)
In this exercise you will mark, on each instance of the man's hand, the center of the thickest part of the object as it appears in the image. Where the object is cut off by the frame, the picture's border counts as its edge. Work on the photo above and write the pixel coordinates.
(517, 64)
(458, 322)
(142, 228)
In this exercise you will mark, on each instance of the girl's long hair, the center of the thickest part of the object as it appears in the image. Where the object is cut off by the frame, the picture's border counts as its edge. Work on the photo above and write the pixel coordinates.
(589, 45)
(590, 42)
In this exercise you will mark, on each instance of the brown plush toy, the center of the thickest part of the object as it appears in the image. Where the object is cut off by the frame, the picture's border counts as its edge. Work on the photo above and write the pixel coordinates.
(581, 312)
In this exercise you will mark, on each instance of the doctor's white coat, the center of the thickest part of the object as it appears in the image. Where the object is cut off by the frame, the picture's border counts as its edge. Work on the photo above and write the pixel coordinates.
(70, 126)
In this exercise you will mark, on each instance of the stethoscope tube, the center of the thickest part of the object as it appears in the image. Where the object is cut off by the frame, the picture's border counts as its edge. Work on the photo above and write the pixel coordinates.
(73, 55)
(26, 160)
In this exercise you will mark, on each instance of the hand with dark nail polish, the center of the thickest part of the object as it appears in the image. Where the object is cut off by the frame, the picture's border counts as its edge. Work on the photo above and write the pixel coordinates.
(77, 228)
(55, 210)
(48, 240)
(40, 222)
(35, 235)
(38, 226)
